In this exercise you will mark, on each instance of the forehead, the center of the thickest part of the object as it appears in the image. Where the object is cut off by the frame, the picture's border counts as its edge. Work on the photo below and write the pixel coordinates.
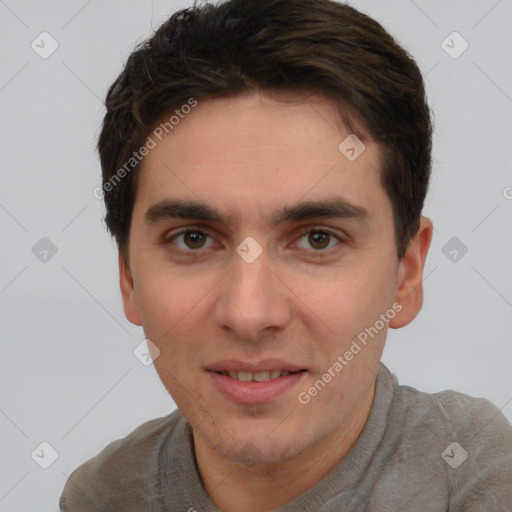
(257, 152)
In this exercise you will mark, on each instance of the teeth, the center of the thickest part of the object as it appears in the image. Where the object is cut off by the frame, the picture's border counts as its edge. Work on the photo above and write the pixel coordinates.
(258, 376)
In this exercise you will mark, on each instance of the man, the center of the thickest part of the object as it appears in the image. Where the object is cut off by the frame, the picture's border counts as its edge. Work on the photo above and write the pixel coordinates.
(265, 165)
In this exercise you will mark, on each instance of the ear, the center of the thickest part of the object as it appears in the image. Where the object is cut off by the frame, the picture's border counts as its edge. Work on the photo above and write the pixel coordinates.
(410, 274)
(130, 304)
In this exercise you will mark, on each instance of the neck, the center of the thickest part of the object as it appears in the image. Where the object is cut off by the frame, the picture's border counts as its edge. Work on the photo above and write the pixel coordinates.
(236, 487)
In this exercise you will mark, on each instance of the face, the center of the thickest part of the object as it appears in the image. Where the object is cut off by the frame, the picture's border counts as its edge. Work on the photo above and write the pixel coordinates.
(291, 257)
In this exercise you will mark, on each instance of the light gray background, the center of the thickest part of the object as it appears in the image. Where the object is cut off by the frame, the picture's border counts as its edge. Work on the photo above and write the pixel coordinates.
(68, 373)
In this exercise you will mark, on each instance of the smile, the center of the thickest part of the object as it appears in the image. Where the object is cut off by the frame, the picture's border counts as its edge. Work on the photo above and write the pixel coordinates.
(256, 377)
(254, 388)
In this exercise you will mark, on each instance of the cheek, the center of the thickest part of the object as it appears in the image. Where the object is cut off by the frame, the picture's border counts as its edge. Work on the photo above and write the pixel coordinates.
(349, 303)
(167, 304)
(170, 307)
(345, 300)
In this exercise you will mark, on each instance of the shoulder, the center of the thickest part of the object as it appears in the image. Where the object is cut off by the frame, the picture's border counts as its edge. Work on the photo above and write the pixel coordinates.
(453, 412)
(466, 441)
(124, 470)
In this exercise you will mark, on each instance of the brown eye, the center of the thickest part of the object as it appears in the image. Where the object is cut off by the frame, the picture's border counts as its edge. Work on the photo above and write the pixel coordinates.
(319, 239)
(194, 239)
(189, 240)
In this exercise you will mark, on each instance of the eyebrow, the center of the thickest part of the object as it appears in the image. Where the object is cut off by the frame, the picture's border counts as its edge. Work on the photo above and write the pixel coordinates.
(332, 207)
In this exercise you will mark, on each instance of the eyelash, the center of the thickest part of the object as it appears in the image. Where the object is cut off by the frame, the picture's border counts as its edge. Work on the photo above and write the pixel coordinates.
(316, 253)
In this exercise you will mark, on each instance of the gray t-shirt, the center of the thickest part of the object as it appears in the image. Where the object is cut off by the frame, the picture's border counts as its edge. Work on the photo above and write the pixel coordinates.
(418, 452)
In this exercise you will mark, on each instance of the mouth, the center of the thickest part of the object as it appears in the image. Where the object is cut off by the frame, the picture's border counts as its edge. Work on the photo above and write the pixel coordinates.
(260, 386)
(262, 376)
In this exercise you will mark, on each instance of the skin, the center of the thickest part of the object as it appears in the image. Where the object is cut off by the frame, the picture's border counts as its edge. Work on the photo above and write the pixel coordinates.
(249, 156)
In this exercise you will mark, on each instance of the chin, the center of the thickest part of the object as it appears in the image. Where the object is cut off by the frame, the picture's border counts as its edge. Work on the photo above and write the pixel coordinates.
(263, 447)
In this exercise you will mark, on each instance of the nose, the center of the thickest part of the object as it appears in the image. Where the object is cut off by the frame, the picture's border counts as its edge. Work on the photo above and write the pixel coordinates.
(252, 299)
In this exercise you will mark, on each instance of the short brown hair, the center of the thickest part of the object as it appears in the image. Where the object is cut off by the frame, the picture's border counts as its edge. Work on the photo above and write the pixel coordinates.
(239, 46)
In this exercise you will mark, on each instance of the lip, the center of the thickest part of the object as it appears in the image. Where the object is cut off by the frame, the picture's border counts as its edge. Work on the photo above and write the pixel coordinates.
(233, 365)
(253, 392)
